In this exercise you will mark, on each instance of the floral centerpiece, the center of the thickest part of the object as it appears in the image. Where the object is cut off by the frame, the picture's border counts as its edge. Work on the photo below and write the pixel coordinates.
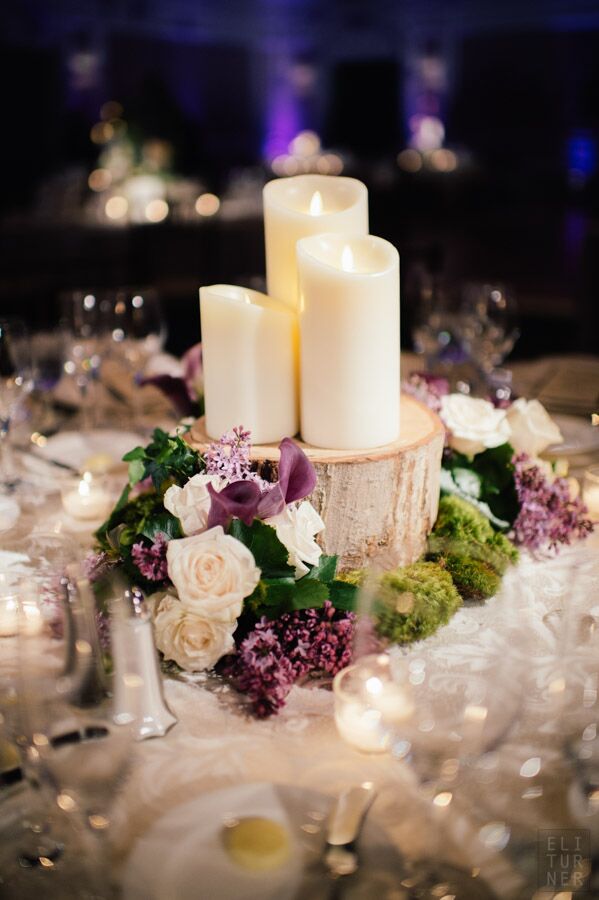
(230, 564)
(493, 461)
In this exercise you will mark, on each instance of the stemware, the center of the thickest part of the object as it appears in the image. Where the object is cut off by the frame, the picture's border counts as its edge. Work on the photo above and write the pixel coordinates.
(86, 324)
(138, 329)
(437, 711)
(16, 380)
(436, 325)
(488, 326)
(80, 749)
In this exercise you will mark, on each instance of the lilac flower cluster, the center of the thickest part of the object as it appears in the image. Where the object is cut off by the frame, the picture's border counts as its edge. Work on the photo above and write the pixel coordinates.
(151, 559)
(548, 514)
(278, 653)
(427, 388)
(230, 457)
(96, 566)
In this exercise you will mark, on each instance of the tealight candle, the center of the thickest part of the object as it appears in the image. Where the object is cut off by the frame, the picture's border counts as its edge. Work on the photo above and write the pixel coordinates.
(300, 206)
(9, 621)
(249, 349)
(86, 499)
(349, 341)
(12, 619)
(368, 704)
(590, 491)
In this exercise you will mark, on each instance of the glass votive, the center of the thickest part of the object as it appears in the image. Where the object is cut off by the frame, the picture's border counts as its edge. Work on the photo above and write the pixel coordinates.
(368, 703)
(590, 491)
(86, 498)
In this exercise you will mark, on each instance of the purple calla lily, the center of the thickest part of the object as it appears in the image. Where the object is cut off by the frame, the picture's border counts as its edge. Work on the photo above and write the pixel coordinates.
(246, 501)
(237, 500)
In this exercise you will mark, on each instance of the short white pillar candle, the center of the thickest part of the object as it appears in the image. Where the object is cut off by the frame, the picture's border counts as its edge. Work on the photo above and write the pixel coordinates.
(349, 341)
(249, 349)
(301, 206)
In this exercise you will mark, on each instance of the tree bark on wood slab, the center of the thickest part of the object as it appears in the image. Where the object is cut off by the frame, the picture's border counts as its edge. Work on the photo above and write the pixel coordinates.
(374, 503)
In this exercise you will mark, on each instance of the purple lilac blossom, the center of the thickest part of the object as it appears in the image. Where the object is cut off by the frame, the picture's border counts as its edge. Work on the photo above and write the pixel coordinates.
(230, 457)
(548, 515)
(96, 566)
(299, 644)
(427, 388)
(151, 559)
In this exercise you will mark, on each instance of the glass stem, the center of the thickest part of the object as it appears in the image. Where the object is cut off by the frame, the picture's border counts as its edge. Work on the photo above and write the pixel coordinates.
(7, 467)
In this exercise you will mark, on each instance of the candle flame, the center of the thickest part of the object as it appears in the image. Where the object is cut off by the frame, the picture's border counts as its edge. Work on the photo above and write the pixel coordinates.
(316, 204)
(84, 488)
(347, 259)
(246, 298)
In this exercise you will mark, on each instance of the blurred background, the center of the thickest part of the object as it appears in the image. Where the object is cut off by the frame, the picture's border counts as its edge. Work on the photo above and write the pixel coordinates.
(137, 135)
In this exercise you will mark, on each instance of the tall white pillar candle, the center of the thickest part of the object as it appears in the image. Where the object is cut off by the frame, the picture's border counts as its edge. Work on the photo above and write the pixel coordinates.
(349, 341)
(298, 207)
(249, 348)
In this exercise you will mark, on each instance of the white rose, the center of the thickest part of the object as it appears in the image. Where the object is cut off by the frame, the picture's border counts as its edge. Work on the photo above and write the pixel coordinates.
(533, 430)
(193, 642)
(212, 573)
(191, 503)
(296, 527)
(474, 425)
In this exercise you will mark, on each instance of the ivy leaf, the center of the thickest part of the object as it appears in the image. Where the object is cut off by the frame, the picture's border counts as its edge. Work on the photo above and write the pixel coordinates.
(279, 595)
(268, 551)
(163, 523)
(325, 569)
(343, 595)
(138, 453)
(137, 470)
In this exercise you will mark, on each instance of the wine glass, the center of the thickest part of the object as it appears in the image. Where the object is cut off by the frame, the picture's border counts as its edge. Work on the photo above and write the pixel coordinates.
(488, 325)
(86, 323)
(436, 709)
(80, 748)
(16, 381)
(138, 329)
(435, 328)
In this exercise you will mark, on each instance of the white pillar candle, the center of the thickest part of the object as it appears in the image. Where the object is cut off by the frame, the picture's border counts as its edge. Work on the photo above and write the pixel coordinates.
(349, 341)
(249, 349)
(298, 207)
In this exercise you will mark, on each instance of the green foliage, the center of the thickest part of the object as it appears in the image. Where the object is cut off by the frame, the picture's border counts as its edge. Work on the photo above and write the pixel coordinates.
(486, 481)
(474, 579)
(166, 460)
(466, 544)
(268, 551)
(413, 601)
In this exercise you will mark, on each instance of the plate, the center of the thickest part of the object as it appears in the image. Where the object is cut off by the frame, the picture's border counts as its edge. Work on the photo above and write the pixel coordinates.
(182, 856)
(73, 448)
(579, 436)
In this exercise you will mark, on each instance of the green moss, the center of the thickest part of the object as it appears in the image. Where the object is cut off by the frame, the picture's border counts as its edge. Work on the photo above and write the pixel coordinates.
(474, 579)
(413, 601)
(463, 533)
(352, 576)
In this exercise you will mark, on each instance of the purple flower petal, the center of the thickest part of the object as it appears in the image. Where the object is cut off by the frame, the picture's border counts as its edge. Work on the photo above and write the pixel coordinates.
(297, 475)
(192, 367)
(272, 502)
(175, 390)
(237, 500)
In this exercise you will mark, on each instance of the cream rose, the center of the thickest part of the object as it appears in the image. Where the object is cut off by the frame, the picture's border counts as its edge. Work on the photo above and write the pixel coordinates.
(191, 503)
(474, 425)
(212, 573)
(296, 527)
(193, 642)
(533, 430)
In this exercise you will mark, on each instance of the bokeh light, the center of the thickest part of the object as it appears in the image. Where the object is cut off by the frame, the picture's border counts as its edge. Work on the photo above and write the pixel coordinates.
(156, 210)
(99, 179)
(409, 160)
(116, 207)
(207, 205)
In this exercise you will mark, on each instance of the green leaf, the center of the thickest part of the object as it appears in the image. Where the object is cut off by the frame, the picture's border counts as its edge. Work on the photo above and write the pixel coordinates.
(273, 597)
(325, 569)
(449, 486)
(163, 523)
(137, 470)
(136, 453)
(268, 551)
(468, 481)
(343, 595)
